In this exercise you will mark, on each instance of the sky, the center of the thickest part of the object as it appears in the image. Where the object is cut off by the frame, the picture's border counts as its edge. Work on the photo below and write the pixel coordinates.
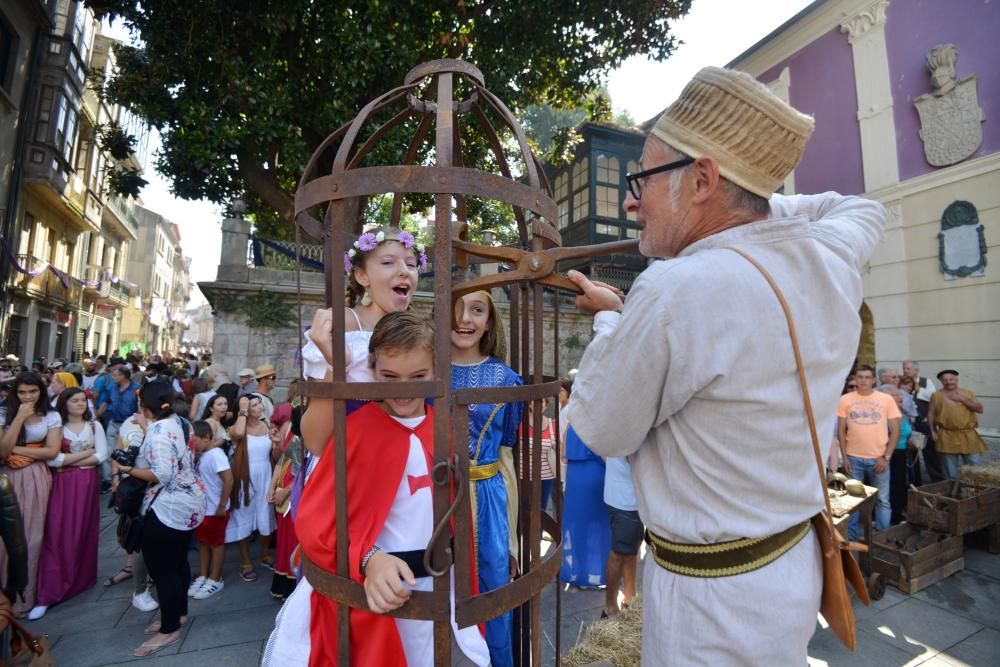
(714, 32)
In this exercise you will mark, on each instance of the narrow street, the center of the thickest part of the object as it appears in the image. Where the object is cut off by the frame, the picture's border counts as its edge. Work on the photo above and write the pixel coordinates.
(955, 622)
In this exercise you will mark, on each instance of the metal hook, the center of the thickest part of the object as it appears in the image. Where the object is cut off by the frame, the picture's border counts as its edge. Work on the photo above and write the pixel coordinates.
(441, 476)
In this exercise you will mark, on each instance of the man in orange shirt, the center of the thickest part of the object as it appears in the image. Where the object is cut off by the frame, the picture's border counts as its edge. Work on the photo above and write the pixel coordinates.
(867, 431)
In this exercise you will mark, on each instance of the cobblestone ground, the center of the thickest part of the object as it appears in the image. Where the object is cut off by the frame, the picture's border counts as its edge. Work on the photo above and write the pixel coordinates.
(955, 622)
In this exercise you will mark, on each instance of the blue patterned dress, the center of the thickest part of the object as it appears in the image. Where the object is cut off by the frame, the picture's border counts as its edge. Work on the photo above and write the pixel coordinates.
(488, 435)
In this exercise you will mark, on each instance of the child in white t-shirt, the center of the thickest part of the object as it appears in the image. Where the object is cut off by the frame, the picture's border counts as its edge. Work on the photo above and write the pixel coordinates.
(215, 474)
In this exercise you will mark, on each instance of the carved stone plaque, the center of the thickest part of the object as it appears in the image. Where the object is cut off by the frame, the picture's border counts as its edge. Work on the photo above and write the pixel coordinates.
(950, 117)
(961, 242)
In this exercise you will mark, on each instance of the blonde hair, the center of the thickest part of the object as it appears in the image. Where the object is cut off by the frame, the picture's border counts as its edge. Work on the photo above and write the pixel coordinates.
(66, 379)
(494, 340)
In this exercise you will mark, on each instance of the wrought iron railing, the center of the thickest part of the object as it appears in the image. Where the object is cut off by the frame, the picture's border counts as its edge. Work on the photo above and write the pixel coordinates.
(281, 255)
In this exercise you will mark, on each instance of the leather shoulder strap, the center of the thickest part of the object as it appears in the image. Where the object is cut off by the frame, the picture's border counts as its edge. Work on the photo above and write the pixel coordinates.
(806, 401)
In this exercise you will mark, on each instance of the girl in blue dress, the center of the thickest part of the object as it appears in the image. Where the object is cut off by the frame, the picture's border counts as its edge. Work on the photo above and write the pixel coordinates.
(477, 345)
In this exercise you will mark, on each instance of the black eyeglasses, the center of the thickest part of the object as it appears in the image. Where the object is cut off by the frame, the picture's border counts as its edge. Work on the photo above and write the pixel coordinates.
(635, 180)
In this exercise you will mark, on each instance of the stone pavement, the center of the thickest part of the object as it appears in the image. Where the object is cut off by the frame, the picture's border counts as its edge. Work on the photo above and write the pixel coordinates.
(955, 622)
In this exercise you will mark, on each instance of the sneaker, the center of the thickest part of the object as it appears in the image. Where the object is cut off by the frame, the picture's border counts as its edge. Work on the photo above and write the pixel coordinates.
(37, 612)
(209, 589)
(144, 601)
(196, 586)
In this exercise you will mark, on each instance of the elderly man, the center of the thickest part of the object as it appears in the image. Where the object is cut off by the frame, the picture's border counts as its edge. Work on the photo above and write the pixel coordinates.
(716, 433)
(248, 382)
(952, 420)
(889, 377)
(266, 378)
(925, 389)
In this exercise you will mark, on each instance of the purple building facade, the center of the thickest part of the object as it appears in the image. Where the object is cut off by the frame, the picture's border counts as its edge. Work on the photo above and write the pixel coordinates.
(824, 85)
(858, 67)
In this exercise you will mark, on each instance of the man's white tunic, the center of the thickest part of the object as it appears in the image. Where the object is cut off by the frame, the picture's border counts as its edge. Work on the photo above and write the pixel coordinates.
(696, 380)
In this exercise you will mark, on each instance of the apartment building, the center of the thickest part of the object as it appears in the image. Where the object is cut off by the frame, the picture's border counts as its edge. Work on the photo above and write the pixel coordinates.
(65, 291)
(161, 273)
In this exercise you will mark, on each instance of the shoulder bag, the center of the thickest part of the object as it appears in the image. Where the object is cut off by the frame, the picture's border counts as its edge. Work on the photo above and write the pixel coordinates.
(839, 566)
(26, 649)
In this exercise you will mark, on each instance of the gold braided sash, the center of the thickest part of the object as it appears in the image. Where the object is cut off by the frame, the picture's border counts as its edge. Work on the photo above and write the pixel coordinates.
(724, 559)
(477, 472)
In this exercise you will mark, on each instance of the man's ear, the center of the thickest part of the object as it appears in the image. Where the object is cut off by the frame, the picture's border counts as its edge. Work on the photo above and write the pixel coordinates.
(706, 178)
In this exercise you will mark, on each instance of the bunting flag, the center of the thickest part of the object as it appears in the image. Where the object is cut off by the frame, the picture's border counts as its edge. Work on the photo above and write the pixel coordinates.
(104, 275)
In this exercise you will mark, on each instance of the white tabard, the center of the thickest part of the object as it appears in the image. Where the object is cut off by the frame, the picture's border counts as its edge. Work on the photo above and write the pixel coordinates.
(717, 435)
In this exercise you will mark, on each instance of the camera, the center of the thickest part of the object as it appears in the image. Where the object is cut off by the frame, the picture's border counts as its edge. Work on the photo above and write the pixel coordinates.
(125, 457)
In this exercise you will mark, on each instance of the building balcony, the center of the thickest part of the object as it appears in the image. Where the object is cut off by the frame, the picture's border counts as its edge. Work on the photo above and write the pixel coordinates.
(46, 285)
(119, 212)
(118, 295)
(121, 294)
(49, 177)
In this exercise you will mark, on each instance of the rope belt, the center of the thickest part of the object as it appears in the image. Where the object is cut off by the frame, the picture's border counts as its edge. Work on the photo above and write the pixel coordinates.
(477, 472)
(724, 559)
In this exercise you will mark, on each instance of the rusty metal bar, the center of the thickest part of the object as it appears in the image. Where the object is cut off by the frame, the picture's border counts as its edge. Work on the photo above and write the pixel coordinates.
(372, 391)
(536, 473)
(411, 155)
(526, 392)
(449, 65)
(421, 606)
(461, 205)
(494, 142)
(428, 179)
(508, 117)
(378, 134)
(486, 605)
(340, 161)
(335, 214)
(442, 339)
(515, 332)
(463, 519)
(557, 487)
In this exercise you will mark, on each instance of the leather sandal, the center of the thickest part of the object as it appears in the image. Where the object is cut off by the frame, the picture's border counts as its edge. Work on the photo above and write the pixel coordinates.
(118, 577)
(147, 649)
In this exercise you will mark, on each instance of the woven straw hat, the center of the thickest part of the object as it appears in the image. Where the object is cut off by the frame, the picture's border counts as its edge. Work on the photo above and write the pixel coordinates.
(756, 137)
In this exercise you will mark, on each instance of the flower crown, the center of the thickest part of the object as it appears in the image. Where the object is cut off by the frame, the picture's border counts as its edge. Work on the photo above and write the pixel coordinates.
(371, 240)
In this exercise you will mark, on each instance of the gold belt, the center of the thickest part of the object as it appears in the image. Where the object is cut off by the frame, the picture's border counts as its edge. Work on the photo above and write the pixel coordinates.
(724, 559)
(478, 472)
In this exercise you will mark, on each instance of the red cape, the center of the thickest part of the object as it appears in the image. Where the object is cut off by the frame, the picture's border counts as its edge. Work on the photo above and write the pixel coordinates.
(377, 449)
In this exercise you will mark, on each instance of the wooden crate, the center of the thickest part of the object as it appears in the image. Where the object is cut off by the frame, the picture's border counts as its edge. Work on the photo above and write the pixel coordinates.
(955, 507)
(912, 558)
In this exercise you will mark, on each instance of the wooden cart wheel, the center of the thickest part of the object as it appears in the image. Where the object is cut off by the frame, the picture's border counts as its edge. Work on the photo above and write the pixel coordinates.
(876, 586)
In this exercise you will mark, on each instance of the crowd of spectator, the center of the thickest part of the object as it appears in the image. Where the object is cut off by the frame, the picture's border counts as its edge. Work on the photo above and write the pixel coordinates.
(204, 460)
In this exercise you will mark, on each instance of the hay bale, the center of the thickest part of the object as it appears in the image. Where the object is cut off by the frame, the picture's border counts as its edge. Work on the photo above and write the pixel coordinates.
(985, 475)
(617, 641)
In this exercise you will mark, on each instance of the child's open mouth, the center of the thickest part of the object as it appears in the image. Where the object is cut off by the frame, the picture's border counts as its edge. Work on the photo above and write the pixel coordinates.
(465, 332)
(402, 290)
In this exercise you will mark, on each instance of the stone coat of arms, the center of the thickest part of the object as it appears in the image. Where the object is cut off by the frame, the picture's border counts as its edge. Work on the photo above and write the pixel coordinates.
(950, 116)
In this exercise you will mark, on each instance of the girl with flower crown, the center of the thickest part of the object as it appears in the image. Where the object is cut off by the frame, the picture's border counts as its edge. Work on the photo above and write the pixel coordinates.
(382, 277)
(382, 268)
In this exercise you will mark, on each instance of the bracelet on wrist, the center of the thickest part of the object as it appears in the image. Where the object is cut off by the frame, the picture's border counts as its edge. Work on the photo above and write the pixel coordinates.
(244, 414)
(367, 557)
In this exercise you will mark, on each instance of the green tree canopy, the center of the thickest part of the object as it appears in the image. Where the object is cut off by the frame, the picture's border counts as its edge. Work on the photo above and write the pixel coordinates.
(243, 92)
